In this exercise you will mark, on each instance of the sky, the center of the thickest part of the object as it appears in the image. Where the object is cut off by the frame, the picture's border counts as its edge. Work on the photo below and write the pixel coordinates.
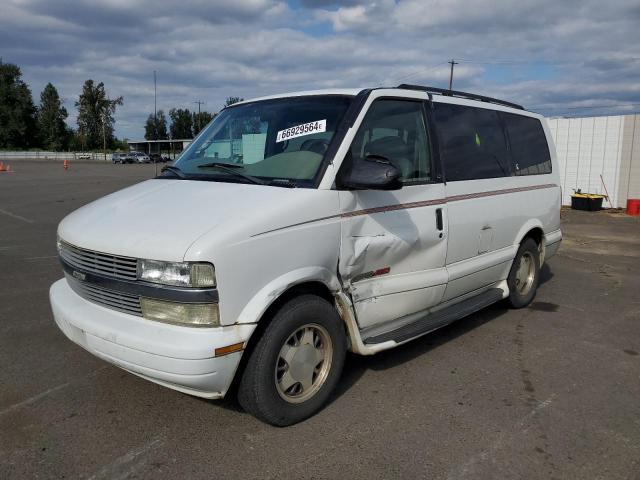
(556, 57)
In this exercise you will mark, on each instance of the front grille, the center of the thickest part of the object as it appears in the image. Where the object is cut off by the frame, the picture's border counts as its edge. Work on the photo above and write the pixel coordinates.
(115, 266)
(122, 302)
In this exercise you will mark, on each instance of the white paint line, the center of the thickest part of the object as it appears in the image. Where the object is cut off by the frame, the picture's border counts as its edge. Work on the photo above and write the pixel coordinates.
(34, 399)
(41, 395)
(290, 470)
(124, 466)
(467, 470)
(17, 217)
(41, 258)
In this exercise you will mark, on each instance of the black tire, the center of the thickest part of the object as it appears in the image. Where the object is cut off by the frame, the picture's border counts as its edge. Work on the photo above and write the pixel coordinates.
(520, 297)
(258, 392)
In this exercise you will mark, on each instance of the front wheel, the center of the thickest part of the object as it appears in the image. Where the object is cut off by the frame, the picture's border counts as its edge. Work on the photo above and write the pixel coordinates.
(296, 364)
(524, 276)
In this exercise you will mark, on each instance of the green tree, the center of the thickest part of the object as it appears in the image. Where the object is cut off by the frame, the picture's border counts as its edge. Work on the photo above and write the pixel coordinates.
(75, 142)
(156, 128)
(181, 123)
(95, 115)
(200, 120)
(17, 112)
(232, 100)
(51, 116)
(121, 144)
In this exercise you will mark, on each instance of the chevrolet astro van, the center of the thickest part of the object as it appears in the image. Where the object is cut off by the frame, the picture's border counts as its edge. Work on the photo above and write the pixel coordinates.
(297, 227)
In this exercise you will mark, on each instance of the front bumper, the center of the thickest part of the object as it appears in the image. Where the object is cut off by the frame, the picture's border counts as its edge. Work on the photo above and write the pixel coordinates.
(181, 358)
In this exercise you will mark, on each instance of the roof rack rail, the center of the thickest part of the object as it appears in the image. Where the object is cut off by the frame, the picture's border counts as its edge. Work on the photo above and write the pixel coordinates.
(455, 93)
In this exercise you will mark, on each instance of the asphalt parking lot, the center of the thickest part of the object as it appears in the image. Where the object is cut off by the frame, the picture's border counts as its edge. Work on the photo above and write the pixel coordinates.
(551, 391)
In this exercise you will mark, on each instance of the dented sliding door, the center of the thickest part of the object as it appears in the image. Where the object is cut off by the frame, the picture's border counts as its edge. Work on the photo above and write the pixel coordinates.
(393, 251)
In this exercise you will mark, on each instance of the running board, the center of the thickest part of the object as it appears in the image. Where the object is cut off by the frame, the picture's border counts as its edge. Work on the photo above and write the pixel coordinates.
(438, 319)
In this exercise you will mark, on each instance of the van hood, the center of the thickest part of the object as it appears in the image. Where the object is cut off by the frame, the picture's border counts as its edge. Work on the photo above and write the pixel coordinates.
(160, 219)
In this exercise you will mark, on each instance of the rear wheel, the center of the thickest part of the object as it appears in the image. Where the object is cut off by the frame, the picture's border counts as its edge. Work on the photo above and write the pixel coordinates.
(524, 275)
(296, 364)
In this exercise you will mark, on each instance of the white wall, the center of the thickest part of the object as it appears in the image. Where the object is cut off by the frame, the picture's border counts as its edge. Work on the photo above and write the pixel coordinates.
(589, 147)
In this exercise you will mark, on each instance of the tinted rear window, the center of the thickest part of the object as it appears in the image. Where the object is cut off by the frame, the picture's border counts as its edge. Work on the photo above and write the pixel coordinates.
(529, 149)
(472, 142)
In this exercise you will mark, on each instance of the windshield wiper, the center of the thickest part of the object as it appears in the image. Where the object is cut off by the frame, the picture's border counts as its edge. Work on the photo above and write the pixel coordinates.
(231, 169)
(221, 164)
(175, 170)
(283, 182)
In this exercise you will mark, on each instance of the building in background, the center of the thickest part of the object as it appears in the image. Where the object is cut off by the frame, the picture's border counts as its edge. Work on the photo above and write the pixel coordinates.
(169, 147)
(592, 146)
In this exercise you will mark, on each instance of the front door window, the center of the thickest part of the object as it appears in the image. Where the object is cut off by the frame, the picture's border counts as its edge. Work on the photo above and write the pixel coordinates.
(395, 129)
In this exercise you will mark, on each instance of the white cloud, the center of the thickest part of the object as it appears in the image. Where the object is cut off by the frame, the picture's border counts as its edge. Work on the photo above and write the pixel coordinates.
(537, 53)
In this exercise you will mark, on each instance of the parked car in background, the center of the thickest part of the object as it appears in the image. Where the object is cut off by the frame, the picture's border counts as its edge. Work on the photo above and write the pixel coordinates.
(118, 157)
(158, 158)
(84, 156)
(355, 220)
(139, 157)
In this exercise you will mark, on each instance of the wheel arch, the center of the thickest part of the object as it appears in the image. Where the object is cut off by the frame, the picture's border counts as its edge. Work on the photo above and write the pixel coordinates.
(536, 234)
(315, 287)
(310, 287)
(317, 280)
(534, 230)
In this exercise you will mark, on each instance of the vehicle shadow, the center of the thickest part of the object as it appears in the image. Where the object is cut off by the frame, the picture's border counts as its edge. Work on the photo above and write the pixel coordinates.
(357, 365)
(545, 274)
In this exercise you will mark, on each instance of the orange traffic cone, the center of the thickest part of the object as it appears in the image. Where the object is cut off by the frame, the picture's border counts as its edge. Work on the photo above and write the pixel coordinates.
(66, 164)
(2, 167)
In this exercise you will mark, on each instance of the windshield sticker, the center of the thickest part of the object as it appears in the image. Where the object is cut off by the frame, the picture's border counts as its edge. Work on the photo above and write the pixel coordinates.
(301, 130)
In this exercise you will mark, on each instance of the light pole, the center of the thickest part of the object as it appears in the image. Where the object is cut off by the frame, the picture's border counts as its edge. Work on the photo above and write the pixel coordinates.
(452, 62)
(155, 109)
(104, 136)
(199, 102)
(155, 116)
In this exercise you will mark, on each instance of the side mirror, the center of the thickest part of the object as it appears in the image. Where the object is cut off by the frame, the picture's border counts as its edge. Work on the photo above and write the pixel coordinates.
(374, 172)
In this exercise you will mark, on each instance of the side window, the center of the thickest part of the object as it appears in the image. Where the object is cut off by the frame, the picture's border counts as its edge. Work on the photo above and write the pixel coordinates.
(395, 129)
(529, 148)
(472, 142)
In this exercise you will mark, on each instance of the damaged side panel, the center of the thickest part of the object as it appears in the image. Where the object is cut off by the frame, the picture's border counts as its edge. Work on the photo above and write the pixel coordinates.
(392, 253)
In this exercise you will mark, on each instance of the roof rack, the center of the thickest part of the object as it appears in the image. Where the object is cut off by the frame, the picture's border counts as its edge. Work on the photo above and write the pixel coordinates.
(455, 93)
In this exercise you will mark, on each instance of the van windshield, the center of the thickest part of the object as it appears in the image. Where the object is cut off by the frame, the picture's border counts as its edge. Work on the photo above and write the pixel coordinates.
(275, 142)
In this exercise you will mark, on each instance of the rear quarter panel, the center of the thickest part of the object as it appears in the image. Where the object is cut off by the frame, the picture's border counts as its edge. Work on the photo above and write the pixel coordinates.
(510, 206)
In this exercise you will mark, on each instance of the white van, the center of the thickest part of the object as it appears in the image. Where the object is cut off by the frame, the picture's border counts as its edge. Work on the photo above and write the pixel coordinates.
(299, 226)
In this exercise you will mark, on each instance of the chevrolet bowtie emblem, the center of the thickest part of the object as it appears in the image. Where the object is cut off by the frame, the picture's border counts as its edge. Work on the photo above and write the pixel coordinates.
(79, 275)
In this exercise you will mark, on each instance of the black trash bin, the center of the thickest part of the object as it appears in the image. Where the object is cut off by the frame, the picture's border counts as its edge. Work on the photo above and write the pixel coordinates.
(587, 201)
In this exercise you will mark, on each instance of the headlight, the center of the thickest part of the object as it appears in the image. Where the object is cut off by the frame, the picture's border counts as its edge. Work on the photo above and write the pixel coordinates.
(186, 314)
(181, 274)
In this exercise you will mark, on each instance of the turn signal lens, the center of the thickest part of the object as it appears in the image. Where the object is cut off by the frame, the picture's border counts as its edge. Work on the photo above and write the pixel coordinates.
(203, 275)
(236, 347)
(186, 314)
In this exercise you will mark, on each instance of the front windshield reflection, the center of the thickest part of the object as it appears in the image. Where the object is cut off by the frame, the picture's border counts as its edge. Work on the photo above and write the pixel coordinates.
(272, 141)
